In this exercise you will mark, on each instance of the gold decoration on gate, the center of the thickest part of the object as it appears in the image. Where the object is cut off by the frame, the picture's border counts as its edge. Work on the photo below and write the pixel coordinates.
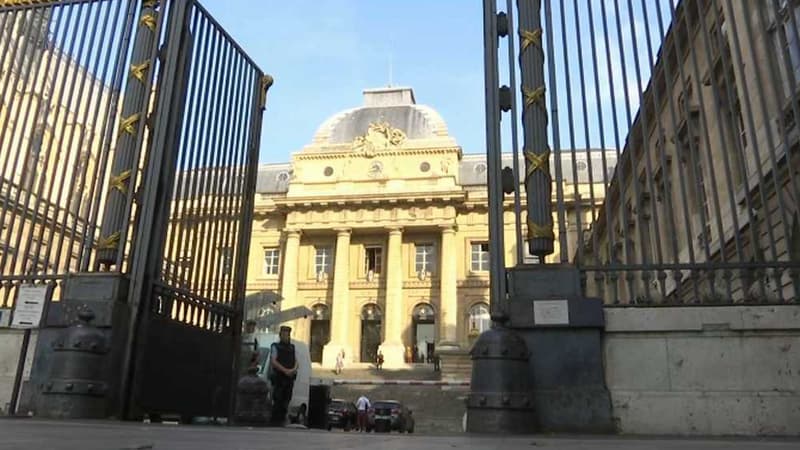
(128, 124)
(118, 181)
(150, 3)
(536, 230)
(380, 136)
(537, 161)
(533, 96)
(148, 20)
(109, 242)
(138, 71)
(529, 38)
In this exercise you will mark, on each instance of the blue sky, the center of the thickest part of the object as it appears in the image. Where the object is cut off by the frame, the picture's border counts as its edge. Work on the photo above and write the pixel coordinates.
(323, 53)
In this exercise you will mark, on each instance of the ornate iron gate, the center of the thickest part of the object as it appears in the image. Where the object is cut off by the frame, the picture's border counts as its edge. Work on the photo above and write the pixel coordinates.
(129, 136)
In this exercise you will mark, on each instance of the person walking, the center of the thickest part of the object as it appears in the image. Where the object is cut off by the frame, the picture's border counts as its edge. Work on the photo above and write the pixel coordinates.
(379, 360)
(283, 371)
(362, 405)
(339, 362)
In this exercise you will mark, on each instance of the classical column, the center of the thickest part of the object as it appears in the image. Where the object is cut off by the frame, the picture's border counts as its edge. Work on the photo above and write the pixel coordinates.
(341, 302)
(392, 346)
(448, 300)
(289, 274)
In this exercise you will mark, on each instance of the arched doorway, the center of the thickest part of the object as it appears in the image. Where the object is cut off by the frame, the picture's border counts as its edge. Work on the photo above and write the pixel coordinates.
(424, 319)
(320, 331)
(371, 317)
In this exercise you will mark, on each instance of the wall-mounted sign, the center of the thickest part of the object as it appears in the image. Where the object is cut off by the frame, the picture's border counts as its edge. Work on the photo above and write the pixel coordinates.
(550, 312)
(29, 306)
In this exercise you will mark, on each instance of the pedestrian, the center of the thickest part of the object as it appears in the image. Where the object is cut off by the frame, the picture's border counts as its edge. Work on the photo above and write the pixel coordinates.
(339, 362)
(379, 360)
(363, 405)
(283, 371)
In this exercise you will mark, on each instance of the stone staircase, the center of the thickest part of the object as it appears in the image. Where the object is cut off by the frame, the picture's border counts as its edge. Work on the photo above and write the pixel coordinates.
(436, 409)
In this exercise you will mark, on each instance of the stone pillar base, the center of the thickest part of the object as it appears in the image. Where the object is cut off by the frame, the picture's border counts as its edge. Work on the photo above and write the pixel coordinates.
(393, 355)
(455, 364)
(330, 351)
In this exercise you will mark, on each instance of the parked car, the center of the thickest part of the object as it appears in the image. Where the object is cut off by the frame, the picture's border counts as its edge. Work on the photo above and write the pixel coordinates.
(392, 415)
(342, 414)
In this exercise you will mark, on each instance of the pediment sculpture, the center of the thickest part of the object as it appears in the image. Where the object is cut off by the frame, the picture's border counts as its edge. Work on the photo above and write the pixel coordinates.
(380, 136)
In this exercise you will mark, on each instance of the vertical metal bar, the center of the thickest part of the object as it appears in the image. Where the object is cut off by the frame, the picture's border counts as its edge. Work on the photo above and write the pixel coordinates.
(756, 145)
(607, 223)
(30, 188)
(540, 185)
(23, 73)
(775, 82)
(74, 263)
(573, 151)
(512, 73)
(142, 270)
(74, 162)
(497, 288)
(210, 169)
(183, 196)
(225, 214)
(124, 167)
(584, 108)
(619, 172)
(669, 237)
(23, 353)
(245, 225)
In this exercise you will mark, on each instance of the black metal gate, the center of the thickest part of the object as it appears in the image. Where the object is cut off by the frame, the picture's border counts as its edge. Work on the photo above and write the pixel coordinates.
(195, 219)
(129, 136)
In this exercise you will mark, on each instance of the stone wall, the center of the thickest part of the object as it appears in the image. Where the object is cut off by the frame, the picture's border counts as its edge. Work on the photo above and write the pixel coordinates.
(10, 344)
(728, 370)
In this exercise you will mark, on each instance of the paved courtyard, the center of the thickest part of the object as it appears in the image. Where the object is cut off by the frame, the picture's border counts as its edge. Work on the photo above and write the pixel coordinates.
(85, 435)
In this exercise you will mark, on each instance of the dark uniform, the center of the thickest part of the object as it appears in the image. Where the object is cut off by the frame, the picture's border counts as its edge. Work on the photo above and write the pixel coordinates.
(282, 385)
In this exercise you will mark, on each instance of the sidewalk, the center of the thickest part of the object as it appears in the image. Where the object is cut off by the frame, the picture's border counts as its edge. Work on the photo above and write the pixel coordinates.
(103, 435)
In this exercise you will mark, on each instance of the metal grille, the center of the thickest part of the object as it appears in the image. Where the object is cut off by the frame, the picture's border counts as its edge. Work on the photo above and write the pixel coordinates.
(210, 201)
(61, 74)
(674, 138)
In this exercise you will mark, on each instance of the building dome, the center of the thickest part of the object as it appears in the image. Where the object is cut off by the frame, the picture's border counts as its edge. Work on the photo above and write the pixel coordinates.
(393, 106)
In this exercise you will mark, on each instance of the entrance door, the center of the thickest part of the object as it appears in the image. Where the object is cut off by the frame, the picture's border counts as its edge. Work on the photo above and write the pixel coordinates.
(320, 335)
(370, 339)
(424, 333)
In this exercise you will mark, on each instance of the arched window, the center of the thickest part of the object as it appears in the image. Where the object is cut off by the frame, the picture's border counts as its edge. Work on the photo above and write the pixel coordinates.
(479, 318)
(424, 312)
(371, 311)
(321, 312)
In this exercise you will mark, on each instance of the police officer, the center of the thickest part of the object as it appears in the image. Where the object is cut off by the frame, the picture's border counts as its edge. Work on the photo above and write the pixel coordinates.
(284, 371)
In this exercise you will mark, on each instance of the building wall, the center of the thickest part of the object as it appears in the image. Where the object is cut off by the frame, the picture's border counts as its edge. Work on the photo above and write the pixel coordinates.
(729, 370)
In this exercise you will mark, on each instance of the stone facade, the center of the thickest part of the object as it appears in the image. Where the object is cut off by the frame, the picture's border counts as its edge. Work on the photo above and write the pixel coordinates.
(389, 185)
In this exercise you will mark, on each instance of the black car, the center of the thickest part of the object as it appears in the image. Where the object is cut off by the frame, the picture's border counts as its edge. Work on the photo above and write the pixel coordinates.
(392, 415)
(341, 414)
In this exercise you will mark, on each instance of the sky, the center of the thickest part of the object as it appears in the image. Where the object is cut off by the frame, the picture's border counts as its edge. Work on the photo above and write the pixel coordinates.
(323, 53)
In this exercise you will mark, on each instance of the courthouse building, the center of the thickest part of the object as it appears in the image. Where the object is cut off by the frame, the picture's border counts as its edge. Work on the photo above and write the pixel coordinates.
(380, 227)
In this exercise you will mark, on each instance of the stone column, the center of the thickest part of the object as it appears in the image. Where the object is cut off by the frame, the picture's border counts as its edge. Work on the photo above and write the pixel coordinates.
(340, 315)
(392, 346)
(448, 300)
(289, 274)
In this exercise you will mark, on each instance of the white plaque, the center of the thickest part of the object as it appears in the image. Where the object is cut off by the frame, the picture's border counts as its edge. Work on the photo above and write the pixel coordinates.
(550, 312)
(29, 306)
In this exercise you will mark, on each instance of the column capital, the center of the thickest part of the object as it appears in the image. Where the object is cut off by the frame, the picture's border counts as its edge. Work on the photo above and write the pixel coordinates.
(343, 231)
(293, 232)
(448, 228)
(395, 230)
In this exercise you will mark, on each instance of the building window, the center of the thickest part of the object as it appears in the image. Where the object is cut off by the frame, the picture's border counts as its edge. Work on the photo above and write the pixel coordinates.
(226, 259)
(322, 261)
(372, 260)
(479, 319)
(424, 259)
(480, 257)
(788, 26)
(271, 261)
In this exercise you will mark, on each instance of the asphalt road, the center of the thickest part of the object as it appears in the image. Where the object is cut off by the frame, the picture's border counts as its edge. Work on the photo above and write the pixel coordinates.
(86, 435)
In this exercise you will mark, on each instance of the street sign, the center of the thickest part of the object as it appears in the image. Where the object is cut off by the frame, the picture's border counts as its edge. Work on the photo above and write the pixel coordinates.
(29, 307)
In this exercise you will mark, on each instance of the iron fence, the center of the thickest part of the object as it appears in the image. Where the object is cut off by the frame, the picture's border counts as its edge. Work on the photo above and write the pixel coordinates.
(62, 66)
(674, 130)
